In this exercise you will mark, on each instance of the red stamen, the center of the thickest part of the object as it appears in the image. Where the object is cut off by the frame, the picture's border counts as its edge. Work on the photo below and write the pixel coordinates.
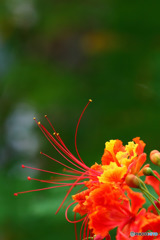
(70, 171)
(38, 169)
(50, 124)
(77, 129)
(67, 216)
(74, 170)
(57, 135)
(85, 226)
(66, 204)
(71, 156)
(48, 135)
(59, 145)
(48, 181)
(75, 227)
(58, 179)
(36, 190)
(69, 192)
(81, 230)
(87, 232)
(61, 141)
(62, 149)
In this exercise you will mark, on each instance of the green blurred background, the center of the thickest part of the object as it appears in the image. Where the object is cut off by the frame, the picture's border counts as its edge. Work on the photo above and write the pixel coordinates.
(54, 56)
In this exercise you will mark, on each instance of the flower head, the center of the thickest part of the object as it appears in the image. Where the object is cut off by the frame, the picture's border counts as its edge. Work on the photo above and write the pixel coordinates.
(105, 200)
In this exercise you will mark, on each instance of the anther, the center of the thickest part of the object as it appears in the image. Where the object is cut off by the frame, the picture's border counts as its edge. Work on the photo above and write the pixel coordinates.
(54, 133)
(15, 194)
(57, 134)
(40, 152)
(23, 166)
(29, 178)
(45, 116)
(34, 118)
(39, 123)
(90, 100)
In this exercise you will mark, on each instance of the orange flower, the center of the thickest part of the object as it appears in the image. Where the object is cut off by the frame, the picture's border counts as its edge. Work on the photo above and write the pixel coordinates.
(141, 221)
(80, 198)
(131, 155)
(110, 151)
(152, 223)
(112, 173)
(141, 145)
(105, 202)
(110, 208)
(107, 208)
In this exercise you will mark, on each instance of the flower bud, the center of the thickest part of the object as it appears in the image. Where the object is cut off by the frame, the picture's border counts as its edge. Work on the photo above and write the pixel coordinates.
(147, 171)
(155, 157)
(132, 181)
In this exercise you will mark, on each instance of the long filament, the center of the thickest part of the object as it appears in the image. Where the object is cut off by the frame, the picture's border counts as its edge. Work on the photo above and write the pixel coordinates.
(77, 129)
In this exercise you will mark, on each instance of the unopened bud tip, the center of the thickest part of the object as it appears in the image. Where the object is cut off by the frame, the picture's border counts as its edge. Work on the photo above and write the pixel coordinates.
(155, 157)
(147, 171)
(132, 181)
(29, 178)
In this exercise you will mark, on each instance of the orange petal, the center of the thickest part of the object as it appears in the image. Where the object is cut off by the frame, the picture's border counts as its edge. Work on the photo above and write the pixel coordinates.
(118, 146)
(107, 158)
(112, 173)
(150, 180)
(141, 145)
(138, 163)
(137, 199)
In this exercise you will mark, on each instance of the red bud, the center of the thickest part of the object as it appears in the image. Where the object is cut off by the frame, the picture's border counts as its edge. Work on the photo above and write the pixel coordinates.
(132, 181)
(155, 157)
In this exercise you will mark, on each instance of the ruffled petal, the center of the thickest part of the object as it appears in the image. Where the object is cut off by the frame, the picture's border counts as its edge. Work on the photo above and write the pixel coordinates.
(150, 180)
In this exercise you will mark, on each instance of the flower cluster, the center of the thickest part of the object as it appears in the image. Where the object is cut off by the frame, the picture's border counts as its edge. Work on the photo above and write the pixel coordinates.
(107, 199)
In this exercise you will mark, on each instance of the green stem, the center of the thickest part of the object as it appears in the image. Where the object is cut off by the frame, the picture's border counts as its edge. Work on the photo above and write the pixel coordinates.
(156, 176)
(143, 186)
(158, 211)
(150, 197)
(147, 192)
